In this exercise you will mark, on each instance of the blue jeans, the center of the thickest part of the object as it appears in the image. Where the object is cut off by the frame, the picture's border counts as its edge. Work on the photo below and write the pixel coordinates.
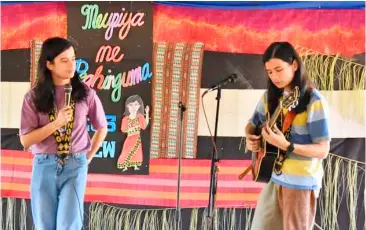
(57, 192)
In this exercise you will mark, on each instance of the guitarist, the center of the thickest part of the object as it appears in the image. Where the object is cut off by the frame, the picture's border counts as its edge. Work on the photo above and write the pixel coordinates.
(288, 201)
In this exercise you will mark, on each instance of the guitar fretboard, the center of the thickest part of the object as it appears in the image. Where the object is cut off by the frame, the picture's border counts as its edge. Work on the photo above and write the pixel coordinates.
(275, 115)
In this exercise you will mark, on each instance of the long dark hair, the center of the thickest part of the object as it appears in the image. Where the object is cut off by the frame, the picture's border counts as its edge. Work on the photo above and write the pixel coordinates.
(287, 53)
(132, 99)
(45, 88)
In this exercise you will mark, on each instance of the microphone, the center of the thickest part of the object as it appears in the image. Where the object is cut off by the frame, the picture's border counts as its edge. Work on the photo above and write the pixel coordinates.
(68, 89)
(230, 79)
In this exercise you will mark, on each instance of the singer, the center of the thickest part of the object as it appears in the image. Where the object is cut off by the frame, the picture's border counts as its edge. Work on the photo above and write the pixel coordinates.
(288, 201)
(54, 127)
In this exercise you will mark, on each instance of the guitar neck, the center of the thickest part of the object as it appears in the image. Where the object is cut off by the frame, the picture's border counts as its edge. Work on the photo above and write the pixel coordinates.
(275, 115)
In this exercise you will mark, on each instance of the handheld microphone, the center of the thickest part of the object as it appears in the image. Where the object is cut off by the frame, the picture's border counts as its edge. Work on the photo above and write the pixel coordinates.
(68, 90)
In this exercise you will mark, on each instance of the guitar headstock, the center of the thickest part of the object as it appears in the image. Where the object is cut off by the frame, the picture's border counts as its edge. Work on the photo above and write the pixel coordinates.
(291, 100)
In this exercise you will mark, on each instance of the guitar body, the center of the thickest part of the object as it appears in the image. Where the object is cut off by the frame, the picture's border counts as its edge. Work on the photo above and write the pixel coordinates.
(263, 162)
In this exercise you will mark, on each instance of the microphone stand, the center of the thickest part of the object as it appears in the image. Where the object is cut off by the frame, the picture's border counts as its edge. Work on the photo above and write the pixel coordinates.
(178, 215)
(214, 171)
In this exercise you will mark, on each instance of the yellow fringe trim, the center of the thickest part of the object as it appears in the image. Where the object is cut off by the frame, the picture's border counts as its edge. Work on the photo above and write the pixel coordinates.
(104, 216)
(329, 71)
(341, 182)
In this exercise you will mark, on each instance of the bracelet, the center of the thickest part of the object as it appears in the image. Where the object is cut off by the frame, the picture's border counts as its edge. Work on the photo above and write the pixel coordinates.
(290, 149)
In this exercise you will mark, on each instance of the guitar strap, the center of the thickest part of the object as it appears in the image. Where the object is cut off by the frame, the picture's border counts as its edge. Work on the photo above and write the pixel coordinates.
(289, 118)
(286, 130)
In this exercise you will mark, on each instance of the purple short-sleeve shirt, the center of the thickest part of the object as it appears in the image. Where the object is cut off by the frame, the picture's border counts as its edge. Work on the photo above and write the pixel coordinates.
(80, 141)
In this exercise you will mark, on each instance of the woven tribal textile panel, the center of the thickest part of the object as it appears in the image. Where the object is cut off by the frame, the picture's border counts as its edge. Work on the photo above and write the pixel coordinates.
(177, 78)
(35, 47)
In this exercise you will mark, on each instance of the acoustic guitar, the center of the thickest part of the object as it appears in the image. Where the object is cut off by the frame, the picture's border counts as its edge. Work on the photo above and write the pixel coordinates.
(263, 162)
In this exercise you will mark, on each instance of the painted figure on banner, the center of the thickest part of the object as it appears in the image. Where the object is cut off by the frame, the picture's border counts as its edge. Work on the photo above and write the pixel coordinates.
(132, 123)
